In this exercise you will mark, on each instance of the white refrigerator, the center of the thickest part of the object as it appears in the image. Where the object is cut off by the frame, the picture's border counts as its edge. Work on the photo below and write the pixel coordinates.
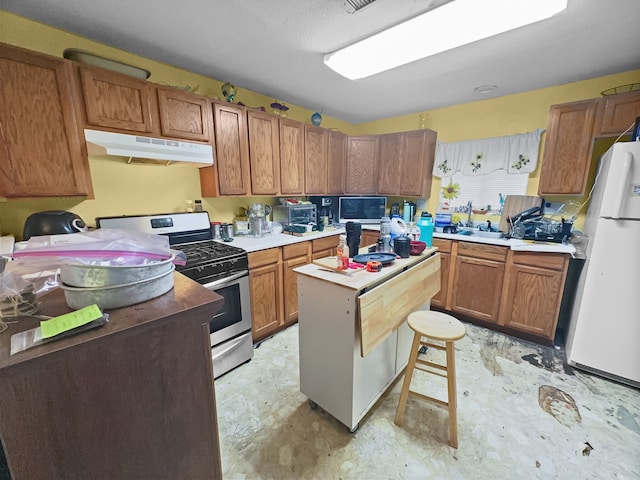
(604, 331)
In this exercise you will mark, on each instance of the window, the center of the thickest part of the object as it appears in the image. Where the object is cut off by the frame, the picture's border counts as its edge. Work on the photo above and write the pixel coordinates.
(484, 190)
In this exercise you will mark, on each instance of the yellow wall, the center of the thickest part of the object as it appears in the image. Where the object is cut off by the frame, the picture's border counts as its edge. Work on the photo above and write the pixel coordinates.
(131, 189)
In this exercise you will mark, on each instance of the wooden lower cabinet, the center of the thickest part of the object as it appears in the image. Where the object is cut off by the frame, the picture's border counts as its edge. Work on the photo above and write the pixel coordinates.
(293, 256)
(477, 286)
(533, 289)
(324, 247)
(265, 283)
(273, 283)
(444, 247)
(519, 292)
(369, 237)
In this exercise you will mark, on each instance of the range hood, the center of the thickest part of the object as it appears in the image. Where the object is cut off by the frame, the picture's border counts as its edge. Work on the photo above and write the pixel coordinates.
(148, 150)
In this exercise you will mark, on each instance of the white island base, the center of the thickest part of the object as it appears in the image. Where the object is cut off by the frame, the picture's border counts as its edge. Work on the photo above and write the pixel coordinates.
(343, 316)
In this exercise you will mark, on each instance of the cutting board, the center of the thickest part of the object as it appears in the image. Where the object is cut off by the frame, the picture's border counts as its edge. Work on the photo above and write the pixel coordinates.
(515, 204)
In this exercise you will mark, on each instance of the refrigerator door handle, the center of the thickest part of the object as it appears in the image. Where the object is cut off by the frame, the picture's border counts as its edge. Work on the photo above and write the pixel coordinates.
(622, 192)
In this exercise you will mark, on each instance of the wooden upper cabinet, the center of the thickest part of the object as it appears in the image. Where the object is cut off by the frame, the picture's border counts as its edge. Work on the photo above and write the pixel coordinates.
(389, 163)
(419, 153)
(264, 153)
(184, 115)
(316, 144)
(567, 151)
(405, 163)
(619, 112)
(291, 157)
(230, 173)
(337, 154)
(362, 165)
(116, 101)
(40, 147)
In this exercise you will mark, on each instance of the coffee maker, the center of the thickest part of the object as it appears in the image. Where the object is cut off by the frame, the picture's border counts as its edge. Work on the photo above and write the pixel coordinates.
(327, 208)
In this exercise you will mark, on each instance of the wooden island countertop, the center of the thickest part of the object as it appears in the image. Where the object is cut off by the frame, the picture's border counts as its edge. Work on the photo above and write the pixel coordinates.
(131, 399)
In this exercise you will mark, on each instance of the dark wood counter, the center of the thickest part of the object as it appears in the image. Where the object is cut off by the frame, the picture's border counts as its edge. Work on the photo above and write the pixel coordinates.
(132, 399)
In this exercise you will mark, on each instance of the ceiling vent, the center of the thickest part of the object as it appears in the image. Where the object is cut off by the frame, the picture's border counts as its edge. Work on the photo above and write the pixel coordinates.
(353, 6)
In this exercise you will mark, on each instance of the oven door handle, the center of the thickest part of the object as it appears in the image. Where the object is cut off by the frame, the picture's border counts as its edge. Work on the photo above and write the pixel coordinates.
(226, 280)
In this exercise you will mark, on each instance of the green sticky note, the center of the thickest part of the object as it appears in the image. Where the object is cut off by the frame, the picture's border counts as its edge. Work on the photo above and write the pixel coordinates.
(69, 321)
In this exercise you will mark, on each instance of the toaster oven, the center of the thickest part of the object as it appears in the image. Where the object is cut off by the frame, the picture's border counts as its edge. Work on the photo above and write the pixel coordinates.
(295, 214)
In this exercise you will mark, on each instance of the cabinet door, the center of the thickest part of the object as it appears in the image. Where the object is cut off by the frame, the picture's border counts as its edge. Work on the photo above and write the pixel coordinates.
(567, 150)
(265, 282)
(184, 115)
(419, 150)
(533, 298)
(477, 286)
(116, 101)
(264, 153)
(336, 162)
(315, 160)
(40, 149)
(290, 288)
(440, 298)
(362, 165)
(619, 112)
(390, 163)
(230, 174)
(369, 237)
(291, 157)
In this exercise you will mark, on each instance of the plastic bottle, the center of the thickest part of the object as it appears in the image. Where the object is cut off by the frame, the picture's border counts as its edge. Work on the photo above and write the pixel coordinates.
(443, 215)
(342, 254)
(425, 224)
(398, 227)
(406, 212)
(385, 235)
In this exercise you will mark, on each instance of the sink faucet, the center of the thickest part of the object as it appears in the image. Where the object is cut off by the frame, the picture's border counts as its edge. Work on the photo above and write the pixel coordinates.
(469, 222)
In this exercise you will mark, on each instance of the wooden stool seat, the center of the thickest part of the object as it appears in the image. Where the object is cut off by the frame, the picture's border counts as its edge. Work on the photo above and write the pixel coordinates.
(436, 325)
(440, 327)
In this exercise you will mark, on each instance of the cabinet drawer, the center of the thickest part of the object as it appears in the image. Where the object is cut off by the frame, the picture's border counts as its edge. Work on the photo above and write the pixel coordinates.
(551, 261)
(443, 245)
(481, 250)
(295, 250)
(325, 243)
(264, 257)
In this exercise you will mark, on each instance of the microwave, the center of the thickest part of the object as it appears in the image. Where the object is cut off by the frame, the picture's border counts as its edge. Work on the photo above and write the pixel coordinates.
(361, 209)
(295, 214)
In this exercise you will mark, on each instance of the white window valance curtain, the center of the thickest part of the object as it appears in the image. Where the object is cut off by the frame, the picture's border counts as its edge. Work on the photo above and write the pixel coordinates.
(513, 153)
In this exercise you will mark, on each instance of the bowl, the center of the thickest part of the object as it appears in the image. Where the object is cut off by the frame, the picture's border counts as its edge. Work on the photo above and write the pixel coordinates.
(117, 296)
(417, 247)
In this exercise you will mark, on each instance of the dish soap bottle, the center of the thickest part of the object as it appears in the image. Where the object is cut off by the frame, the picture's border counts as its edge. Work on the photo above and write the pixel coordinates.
(342, 254)
(425, 224)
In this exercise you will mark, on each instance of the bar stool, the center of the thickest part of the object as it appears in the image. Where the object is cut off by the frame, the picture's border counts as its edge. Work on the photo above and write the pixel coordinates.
(445, 328)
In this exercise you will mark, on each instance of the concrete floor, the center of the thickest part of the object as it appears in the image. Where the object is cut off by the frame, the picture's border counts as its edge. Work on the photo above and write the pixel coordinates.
(522, 413)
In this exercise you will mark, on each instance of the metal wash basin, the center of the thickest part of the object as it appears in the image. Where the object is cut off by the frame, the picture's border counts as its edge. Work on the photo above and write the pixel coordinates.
(480, 233)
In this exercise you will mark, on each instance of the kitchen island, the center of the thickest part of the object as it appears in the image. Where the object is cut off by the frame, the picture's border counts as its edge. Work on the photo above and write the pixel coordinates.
(353, 336)
(131, 399)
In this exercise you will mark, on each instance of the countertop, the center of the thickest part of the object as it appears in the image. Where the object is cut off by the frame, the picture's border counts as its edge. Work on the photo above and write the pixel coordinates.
(512, 243)
(251, 244)
(361, 279)
(270, 241)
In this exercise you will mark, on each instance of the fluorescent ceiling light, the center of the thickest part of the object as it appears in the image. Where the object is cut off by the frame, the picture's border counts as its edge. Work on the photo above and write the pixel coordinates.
(454, 24)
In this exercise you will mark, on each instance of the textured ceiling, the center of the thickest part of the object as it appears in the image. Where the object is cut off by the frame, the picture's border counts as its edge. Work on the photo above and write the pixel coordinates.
(275, 47)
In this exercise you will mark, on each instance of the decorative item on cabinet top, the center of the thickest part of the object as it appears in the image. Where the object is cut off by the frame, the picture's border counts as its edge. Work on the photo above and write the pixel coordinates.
(148, 150)
(89, 58)
(228, 91)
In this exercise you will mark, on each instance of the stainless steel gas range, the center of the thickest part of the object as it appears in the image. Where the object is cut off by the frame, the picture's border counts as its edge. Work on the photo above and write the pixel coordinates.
(218, 266)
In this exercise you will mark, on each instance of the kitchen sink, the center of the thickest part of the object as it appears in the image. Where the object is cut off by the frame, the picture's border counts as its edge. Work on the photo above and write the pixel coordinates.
(480, 233)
